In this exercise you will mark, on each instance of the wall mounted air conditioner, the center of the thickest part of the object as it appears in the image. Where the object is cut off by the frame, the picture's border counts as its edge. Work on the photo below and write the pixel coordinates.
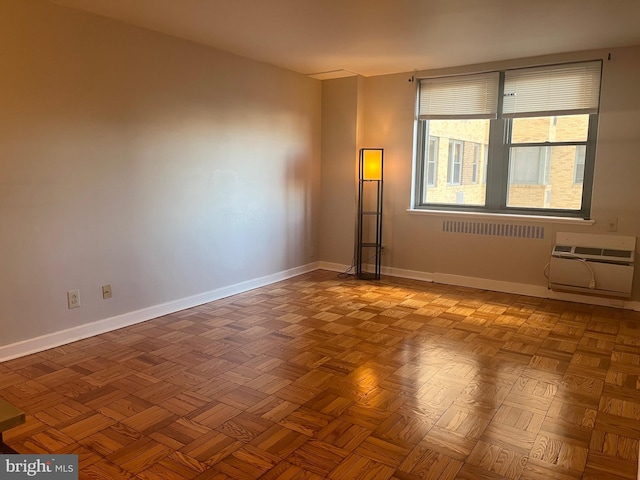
(592, 264)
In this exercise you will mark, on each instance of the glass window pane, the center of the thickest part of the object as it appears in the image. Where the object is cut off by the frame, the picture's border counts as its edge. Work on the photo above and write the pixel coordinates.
(543, 177)
(563, 128)
(461, 148)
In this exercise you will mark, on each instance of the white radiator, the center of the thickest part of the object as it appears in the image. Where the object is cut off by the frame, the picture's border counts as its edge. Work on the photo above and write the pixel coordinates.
(593, 264)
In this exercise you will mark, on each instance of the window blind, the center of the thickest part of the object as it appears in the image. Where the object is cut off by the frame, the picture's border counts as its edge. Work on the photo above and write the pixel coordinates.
(467, 96)
(552, 90)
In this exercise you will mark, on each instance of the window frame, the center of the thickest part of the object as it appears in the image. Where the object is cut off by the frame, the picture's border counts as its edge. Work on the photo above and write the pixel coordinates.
(497, 167)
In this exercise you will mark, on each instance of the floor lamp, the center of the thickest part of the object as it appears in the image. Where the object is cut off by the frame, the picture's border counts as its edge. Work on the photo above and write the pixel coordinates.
(369, 237)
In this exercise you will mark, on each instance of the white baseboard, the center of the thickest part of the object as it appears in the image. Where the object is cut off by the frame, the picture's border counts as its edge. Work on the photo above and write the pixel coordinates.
(392, 272)
(533, 291)
(594, 300)
(538, 291)
(336, 267)
(410, 274)
(493, 285)
(63, 337)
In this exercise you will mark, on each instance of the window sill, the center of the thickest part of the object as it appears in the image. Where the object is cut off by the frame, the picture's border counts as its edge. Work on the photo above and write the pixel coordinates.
(502, 216)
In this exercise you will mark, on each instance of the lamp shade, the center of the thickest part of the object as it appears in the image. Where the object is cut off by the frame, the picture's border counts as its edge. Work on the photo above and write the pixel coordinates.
(372, 164)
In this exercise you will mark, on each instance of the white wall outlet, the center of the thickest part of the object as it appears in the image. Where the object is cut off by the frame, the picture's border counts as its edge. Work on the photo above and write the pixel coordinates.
(73, 298)
(106, 291)
(612, 224)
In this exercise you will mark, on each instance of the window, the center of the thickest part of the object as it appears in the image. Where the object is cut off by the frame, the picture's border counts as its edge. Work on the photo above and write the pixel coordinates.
(578, 171)
(519, 141)
(528, 166)
(454, 170)
(432, 162)
(485, 162)
(474, 165)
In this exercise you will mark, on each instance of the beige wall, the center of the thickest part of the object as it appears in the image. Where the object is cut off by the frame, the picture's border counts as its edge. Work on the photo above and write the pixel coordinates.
(416, 241)
(340, 110)
(127, 157)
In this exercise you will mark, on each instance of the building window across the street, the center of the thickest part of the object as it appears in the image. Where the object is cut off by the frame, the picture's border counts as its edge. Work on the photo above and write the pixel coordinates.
(454, 169)
(530, 131)
(432, 161)
(529, 166)
(476, 162)
(578, 174)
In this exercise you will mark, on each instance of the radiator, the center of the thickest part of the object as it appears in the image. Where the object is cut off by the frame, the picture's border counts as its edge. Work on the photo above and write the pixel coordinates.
(593, 264)
(493, 229)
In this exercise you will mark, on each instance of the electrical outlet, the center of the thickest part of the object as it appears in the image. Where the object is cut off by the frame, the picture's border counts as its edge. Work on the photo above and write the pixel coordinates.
(73, 298)
(106, 291)
(612, 224)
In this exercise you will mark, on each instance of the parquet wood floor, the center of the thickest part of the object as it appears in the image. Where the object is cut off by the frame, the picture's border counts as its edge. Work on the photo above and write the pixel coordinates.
(319, 377)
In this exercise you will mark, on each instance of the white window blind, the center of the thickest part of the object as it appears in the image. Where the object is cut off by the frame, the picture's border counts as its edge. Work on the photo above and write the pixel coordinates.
(552, 90)
(468, 96)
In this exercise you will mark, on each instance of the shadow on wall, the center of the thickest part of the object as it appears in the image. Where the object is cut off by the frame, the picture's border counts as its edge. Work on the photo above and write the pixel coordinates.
(299, 212)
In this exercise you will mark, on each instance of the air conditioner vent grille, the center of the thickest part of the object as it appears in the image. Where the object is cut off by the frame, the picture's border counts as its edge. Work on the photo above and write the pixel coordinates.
(616, 253)
(588, 251)
(593, 253)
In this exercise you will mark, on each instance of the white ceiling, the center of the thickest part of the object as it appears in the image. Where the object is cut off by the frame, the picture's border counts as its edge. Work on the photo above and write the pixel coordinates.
(373, 37)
